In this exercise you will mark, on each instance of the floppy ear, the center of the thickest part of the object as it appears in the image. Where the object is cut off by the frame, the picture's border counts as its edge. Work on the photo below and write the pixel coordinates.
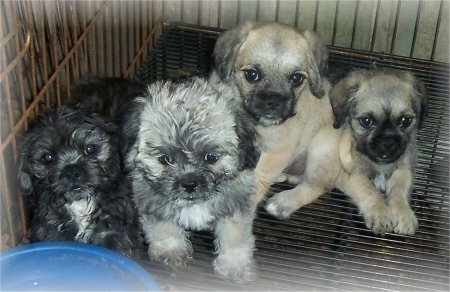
(24, 179)
(341, 98)
(130, 129)
(318, 62)
(248, 154)
(227, 47)
(422, 93)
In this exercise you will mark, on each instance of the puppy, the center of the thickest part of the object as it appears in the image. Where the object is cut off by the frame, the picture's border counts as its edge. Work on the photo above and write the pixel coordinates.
(70, 173)
(277, 71)
(372, 153)
(106, 96)
(187, 166)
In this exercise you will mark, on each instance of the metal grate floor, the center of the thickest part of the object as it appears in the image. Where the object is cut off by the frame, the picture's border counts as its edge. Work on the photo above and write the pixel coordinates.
(325, 246)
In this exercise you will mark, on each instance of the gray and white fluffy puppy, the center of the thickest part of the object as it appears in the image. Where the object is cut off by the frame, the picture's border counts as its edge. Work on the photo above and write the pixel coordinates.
(70, 175)
(188, 158)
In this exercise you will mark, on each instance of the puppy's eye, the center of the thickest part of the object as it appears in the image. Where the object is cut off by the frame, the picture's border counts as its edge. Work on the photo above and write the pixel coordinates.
(251, 75)
(297, 79)
(166, 159)
(366, 122)
(405, 122)
(48, 158)
(210, 158)
(90, 149)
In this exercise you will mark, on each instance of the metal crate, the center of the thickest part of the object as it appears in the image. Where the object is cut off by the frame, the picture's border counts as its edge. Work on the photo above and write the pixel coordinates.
(325, 245)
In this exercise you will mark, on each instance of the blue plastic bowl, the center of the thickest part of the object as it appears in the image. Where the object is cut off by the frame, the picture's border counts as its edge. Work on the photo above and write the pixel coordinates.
(70, 266)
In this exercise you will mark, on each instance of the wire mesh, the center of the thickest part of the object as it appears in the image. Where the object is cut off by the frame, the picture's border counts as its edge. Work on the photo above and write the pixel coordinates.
(325, 245)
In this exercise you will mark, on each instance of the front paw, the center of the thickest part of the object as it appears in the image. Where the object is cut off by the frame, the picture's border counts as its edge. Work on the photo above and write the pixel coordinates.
(239, 269)
(378, 219)
(174, 255)
(403, 219)
(280, 207)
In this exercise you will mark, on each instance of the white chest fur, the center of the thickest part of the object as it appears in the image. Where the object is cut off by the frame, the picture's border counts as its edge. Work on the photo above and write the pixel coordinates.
(380, 182)
(81, 212)
(196, 217)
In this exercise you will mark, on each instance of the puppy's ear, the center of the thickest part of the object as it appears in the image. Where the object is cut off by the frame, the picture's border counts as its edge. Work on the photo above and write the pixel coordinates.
(227, 47)
(341, 98)
(24, 179)
(318, 62)
(248, 154)
(422, 95)
(130, 128)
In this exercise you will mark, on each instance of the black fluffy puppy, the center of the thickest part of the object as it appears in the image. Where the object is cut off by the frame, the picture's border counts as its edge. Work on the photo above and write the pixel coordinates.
(107, 96)
(70, 173)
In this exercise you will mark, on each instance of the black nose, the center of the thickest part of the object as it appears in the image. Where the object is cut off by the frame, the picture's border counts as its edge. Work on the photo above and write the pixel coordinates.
(190, 183)
(72, 173)
(272, 101)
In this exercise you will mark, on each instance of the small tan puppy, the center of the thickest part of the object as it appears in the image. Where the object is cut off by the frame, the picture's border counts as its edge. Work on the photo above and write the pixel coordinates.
(371, 156)
(277, 70)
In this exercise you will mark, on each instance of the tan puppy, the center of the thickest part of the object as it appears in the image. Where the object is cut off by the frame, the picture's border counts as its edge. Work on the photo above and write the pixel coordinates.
(277, 70)
(372, 153)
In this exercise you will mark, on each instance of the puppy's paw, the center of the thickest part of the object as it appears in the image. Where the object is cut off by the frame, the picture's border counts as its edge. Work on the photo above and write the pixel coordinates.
(403, 219)
(378, 219)
(173, 254)
(115, 241)
(235, 266)
(280, 206)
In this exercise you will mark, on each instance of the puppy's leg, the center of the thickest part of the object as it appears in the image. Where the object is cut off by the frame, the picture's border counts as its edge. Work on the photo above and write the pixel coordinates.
(168, 242)
(369, 201)
(399, 187)
(321, 170)
(235, 244)
(268, 170)
(283, 204)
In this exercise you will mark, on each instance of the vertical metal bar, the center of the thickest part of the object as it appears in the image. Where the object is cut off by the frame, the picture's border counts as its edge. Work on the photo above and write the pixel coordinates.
(277, 10)
(109, 50)
(117, 37)
(219, 12)
(316, 15)
(83, 15)
(375, 25)
(131, 44)
(6, 201)
(297, 12)
(182, 11)
(23, 105)
(333, 41)
(258, 9)
(65, 45)
(124, 37)
(74, 26)
(54, 48)
(6, 86)
(394, 34)
(355, 24)
(200, 12)
(101, 46)
(43, 49)
(137, 22)
(29, 11)
(146, 16)
(438, 26)
(238, 14)
(416, 29)
(154, 19)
